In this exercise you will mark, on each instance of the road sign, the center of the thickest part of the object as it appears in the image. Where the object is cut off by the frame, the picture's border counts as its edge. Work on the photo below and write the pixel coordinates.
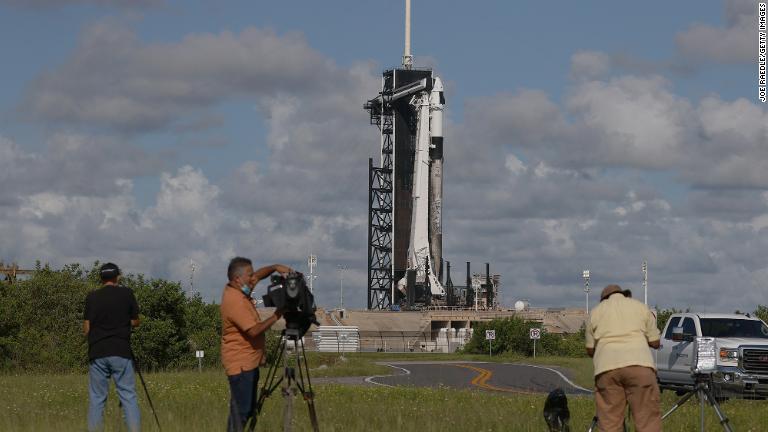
(199, 353)
(535, 333)
(490, 334)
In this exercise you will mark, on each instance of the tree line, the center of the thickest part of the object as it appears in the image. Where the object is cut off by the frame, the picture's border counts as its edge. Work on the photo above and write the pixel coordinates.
(41, 322)
(41, 325)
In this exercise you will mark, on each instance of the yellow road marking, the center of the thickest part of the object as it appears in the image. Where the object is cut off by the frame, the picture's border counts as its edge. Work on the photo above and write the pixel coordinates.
(481, 380)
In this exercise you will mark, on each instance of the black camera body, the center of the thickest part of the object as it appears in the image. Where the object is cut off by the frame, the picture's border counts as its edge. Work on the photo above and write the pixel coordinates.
(291, 295)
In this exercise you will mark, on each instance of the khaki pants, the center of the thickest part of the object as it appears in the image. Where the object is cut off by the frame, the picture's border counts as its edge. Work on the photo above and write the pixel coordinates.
(634, 384)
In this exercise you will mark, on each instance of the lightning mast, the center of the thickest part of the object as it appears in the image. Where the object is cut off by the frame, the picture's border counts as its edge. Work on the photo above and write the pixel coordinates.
(407, 57)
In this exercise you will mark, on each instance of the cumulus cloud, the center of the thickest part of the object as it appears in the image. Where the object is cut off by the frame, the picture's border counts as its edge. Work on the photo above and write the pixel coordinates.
(541, 188)
(638, 119)
(72, 164)
(545, 189)
(308, 196)
(734, 43)
(115, 81)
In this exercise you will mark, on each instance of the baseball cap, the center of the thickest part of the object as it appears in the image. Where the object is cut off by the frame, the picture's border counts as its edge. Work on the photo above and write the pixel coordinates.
(109, 271)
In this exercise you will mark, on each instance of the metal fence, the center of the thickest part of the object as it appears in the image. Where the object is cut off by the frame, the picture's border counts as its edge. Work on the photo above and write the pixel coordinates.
(344, 339)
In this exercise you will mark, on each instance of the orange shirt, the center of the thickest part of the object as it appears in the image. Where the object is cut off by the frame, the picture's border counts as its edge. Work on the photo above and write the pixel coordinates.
(239, 352)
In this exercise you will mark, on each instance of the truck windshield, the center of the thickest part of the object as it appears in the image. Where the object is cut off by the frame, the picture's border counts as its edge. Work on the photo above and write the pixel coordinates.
(729, 327)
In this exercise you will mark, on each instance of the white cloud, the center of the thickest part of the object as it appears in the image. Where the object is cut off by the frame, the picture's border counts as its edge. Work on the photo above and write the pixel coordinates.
(115, 81)
(639, 120)
(515, 165)
(541, 188)
(734, 43)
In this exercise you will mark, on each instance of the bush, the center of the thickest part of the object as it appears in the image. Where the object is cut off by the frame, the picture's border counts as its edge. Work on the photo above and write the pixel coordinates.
(513, 337)
(41, 322)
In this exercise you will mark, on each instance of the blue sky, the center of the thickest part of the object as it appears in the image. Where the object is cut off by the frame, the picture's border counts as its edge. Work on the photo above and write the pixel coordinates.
(591, 134)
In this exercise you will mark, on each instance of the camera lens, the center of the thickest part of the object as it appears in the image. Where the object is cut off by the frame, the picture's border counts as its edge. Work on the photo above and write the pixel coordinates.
(292, 288)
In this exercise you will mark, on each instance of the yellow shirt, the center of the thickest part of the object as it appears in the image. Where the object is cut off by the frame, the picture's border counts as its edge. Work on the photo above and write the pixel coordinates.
(619, 329)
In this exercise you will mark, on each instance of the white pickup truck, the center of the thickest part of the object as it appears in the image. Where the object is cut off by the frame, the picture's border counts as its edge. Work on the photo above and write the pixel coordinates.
(741, 344)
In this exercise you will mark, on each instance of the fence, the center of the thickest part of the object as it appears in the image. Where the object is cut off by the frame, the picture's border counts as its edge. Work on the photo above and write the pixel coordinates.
(348, 339)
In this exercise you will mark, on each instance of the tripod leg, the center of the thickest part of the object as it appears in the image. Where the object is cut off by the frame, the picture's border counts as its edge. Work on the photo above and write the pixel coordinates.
(679, 403)
(288, 409)
(593, 425)
(288, 393)
(309, 396)
(269, 386)
(701, 394)
(269, 381)
(720, 415)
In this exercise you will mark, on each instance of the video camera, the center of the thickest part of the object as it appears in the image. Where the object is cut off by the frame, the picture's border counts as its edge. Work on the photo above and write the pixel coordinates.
(290, 295)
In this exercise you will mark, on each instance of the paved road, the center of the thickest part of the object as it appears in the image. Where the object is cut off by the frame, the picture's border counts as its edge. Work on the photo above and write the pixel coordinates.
(499, 377)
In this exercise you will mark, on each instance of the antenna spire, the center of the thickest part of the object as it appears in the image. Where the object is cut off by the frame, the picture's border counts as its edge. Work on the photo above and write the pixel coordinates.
(407, 57)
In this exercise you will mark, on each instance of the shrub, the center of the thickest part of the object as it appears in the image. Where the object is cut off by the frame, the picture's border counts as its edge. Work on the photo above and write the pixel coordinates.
(41, 322)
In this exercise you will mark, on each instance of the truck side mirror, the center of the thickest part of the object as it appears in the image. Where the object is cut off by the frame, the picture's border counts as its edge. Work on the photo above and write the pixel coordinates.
(677, 334)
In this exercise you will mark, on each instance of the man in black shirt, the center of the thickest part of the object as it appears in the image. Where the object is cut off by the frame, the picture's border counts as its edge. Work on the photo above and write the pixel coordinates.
(110, 313)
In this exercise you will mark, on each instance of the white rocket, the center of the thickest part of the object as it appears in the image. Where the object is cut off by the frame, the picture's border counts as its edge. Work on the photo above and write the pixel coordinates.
(425, 249)
(436, 105)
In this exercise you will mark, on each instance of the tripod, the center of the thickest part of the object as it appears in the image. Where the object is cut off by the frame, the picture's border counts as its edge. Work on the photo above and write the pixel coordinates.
(146, 392)
(702, 391)
(291, 385)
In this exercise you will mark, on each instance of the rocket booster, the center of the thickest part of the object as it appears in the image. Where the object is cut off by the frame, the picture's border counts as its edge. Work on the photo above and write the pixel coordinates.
(425, 248)
(436, 106)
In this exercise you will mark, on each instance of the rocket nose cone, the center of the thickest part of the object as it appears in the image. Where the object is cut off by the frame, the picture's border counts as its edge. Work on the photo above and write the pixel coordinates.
(437, 86)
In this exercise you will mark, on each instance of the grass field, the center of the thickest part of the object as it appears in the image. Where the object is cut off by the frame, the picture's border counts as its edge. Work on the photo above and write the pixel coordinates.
(192, 401)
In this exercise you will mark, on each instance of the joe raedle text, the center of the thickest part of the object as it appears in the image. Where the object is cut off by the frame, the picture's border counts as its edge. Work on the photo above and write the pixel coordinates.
(761, 14)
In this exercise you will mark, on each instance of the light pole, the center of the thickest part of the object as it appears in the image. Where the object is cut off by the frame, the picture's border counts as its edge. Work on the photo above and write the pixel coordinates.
(585, 275)
(312, 264)
(192, 268)
(341, 269)
(645, 280)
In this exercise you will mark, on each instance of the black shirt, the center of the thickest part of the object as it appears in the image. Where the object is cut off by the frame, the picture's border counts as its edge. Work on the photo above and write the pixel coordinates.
(110, 310)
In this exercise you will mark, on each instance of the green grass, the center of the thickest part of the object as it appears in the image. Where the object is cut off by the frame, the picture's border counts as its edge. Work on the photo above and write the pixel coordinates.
(350, 364)
(192, 401)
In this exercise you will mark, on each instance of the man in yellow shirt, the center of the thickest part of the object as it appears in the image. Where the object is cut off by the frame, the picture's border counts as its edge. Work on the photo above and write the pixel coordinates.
(242, 337)
(618, 334)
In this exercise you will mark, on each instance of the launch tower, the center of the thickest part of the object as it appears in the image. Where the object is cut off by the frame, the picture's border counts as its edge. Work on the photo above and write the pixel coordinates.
(405, 189)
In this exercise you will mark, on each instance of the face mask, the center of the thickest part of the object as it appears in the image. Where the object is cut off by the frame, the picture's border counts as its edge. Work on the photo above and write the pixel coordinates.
(246, 290)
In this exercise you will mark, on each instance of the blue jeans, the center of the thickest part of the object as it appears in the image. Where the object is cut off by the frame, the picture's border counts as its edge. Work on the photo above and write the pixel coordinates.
(242, 388)
(121, 371)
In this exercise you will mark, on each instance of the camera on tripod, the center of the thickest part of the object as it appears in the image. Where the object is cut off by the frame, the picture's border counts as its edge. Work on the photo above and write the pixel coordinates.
(290, 295)
(704, 364)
